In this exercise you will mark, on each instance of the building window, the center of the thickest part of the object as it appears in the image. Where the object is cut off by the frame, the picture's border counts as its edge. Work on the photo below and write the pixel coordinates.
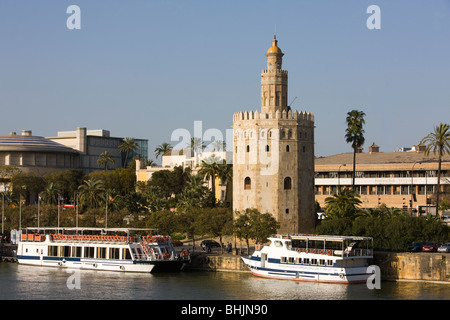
(247, 183)
(287, 183)
(287, 211)
(287, 148)
(267, 148)
(248, 148)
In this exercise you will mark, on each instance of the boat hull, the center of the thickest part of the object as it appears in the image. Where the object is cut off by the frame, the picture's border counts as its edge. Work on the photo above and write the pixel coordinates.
(307, 273)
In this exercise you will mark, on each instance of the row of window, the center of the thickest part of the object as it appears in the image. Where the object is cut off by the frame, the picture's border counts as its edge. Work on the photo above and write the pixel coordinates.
(307, 261)
(284, 133)
(380, 190)
(287, 183)
(382, 174)
(88, 252)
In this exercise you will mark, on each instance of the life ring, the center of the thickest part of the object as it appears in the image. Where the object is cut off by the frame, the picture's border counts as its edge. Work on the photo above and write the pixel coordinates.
(306, 251)
(299, 250)
(329, 252)
(313, 251)
(321, 252)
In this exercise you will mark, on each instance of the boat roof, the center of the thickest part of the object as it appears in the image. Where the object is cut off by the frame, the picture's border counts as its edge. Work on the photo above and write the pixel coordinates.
(321, 237)
(89, 229)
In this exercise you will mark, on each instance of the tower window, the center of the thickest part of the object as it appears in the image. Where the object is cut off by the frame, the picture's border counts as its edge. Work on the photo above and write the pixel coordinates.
(287, 148)
(247, 183)
(287, 183)
(248, 148)
(287, 211)
(267, 148)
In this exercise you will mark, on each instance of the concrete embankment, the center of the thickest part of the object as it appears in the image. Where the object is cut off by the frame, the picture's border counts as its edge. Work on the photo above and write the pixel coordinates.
(421, 266)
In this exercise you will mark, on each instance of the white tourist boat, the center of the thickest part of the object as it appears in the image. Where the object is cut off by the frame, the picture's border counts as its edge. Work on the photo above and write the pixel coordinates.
(320, 258)
(115, 249)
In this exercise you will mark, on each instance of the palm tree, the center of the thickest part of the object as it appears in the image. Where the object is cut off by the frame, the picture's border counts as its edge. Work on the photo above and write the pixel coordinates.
(209, 169)
(196, 144)
(51, 193)
(105, 158)
(92, 192)
(438, 142)
(162, 149)
(354, 134)
(127, 145)
(194, 193)
(342, 204)
(225, 173)
(218, 145)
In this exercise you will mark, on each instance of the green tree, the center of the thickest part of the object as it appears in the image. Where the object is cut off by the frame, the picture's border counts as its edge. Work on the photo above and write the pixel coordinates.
(218, 222)
(104, 159)
(250, 224)
(225, 173)
(343, 203)
(162, 149)
(92, 193)
(127, 145)
(209, 169)
(354, 134)
(195, 194)
(438, 142)
(51, 193)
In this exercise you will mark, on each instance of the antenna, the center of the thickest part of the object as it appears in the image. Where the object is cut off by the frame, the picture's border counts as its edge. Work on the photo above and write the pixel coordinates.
(275, 34)
(292, 101)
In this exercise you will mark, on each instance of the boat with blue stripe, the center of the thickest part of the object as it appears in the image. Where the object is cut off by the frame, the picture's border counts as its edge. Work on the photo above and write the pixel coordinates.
(318, 258)
(114, 249)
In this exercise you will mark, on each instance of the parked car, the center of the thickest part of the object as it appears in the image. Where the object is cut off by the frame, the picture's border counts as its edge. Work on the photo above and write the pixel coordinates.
(177, 243)
(430, 246)
(416, 247)
(209, 243)
(444, 248)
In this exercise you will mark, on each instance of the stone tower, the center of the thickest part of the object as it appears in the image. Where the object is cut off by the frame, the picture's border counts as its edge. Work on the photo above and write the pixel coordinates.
(273, 154)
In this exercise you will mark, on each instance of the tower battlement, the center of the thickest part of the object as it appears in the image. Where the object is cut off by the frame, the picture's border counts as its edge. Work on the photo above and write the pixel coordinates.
(256, 115)
(275, 71)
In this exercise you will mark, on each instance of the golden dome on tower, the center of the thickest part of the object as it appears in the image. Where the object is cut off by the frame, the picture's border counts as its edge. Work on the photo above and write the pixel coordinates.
(274, 48)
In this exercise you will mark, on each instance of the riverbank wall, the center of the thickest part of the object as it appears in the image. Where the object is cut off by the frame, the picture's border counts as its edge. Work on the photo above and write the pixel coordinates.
(421, 266)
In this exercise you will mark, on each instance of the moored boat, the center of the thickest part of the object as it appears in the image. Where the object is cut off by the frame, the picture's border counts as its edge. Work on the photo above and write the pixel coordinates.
(115, 249)
(319, 258)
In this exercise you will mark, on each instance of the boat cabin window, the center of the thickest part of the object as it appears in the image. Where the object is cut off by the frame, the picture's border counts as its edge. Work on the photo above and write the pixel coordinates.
(89, 252)
(278, 243)
(52, 251)
(283, 259)
(322, 262)
(126, 254)
(76, 252)
(66, 251)
(306, 261)
(314, 261)
(291, 260)
(113, 253)
(101, 253)
(329, 262)
(288, 245)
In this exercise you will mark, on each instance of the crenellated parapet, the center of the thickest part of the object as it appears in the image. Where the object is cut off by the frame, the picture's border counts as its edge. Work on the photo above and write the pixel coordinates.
(256, 115)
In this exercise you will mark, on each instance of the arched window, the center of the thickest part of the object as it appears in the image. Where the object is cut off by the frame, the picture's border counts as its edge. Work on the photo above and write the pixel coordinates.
(247, 183)
(287, 148)
(287, 183)
(267, 148)
(248, 148)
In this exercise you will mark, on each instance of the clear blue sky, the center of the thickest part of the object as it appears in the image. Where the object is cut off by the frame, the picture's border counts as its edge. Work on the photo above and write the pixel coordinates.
(145, 68)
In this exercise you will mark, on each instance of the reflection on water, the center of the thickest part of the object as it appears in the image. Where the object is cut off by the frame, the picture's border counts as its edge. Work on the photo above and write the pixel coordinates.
(30, 282)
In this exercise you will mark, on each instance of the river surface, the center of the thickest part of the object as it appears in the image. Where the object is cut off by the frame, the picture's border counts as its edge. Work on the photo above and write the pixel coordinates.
(18, 282)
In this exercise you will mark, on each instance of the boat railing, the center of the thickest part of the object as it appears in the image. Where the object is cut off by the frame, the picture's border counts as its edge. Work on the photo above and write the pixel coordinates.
(354, 252)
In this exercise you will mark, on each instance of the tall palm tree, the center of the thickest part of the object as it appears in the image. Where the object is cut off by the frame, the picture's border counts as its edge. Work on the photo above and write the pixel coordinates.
(438, 142)
(104, 159)
(219, 145)
(127, 145)
(225, 173)
(92, 192)
(354, 134)
(209, 169)
(162, 149)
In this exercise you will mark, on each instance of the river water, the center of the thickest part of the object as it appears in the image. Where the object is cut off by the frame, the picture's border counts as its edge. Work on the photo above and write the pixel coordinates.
(18, 282)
